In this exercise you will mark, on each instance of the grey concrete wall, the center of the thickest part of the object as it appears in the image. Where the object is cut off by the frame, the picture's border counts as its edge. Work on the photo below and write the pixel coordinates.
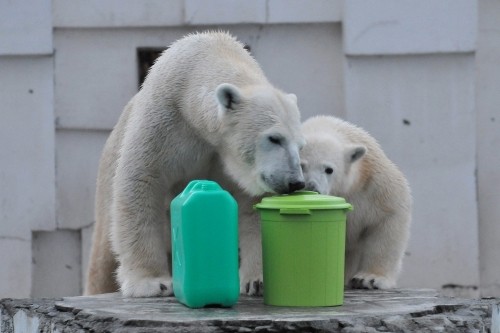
(488, 144)
(56, 269)
(27, 170)
(435, 148)
(409, 81)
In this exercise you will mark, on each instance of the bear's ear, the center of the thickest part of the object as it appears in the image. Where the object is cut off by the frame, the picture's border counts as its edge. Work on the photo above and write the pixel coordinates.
(354, 153)
(228, 96)
(293, 98)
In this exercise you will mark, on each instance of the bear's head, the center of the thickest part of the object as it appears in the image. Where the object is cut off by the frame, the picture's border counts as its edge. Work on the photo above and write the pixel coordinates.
(330, 165)
(261, 138)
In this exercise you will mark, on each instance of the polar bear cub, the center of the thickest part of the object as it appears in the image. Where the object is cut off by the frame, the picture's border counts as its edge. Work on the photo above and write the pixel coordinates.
(343, 160)
(205, 108)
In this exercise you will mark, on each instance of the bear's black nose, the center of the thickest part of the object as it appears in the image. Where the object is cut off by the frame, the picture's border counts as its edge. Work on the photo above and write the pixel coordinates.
(295, 186)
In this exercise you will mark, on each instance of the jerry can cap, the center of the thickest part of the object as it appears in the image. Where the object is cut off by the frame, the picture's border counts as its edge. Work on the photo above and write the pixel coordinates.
(201, 185)
(301, 202)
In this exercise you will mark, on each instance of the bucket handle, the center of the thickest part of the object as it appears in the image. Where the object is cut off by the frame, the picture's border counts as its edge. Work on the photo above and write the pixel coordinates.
(295, 211)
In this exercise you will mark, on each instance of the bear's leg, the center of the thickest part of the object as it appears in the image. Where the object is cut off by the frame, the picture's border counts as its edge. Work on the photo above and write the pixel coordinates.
(352, 258)
(140, 238)
(382, 251)
(251, 281)
(102, 265)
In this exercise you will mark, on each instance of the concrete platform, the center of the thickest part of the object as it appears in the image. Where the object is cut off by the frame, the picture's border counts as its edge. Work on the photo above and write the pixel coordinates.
(399, 310)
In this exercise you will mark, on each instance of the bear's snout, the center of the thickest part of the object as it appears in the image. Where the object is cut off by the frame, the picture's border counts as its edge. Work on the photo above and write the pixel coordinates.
(295, 186)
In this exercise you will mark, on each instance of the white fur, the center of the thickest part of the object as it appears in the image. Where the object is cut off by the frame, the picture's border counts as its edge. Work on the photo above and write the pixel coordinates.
(206, 110)
(378, 227)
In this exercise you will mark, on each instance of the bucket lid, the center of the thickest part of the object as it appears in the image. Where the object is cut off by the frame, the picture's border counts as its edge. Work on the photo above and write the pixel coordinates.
(303, 200)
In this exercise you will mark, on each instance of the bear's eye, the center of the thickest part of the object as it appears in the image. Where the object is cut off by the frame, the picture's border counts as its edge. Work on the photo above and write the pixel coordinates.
(329, 171)
(275, 139)
(303, 166)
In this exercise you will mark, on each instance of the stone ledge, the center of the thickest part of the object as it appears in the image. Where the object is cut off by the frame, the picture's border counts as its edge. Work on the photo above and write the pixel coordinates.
(363, 311)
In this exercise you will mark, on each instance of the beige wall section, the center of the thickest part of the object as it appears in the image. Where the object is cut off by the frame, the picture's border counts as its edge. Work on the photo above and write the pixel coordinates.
(421, 110)
(26, 27)
(106, 61)
(15, 267)
(409, 80)
(56, 269)
(417, 85)
(488, 144)
(78, 155)
(27, 171)
(27, 136)
(189, 13)
(307, 60)
(409, 27)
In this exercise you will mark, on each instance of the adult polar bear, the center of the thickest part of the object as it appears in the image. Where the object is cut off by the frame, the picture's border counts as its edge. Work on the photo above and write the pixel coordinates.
(344, 160)
(204, 105)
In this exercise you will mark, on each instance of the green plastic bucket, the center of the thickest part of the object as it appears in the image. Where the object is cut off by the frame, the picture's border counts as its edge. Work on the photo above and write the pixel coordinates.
(303, 247)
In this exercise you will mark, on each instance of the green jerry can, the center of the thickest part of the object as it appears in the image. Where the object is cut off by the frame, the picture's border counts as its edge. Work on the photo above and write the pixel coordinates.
(303, 247)
(204, 220)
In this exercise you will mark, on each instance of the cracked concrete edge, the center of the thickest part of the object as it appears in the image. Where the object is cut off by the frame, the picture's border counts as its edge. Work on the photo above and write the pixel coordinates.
(28, 315)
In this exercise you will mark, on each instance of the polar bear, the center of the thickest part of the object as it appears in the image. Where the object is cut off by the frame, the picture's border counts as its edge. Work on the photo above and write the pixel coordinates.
(343, 160)
(205, 108)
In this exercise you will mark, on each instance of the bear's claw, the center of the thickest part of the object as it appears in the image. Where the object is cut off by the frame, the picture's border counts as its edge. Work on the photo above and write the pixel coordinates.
(253, 288)
(356, 283)
(370, 281)
(147, 287)
(256, 290)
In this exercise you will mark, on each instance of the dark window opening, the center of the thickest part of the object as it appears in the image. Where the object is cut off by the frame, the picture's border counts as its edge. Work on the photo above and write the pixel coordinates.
(146, 57)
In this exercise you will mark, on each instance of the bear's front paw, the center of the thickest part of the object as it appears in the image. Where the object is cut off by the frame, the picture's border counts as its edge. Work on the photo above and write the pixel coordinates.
(251, 283)
(252, 287)
(147, 287)
(370, 281)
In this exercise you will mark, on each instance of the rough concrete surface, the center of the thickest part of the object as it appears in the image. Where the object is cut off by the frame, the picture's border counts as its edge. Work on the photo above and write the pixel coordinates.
(400, 310)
